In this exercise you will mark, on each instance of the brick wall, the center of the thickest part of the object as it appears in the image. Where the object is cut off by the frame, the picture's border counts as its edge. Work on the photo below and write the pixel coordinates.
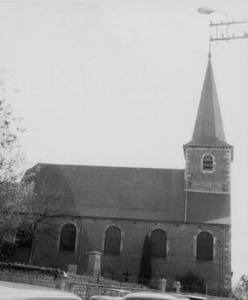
(181, 250)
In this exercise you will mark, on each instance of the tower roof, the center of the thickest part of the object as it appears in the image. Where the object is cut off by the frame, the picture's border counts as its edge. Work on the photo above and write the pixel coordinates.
(209, 129)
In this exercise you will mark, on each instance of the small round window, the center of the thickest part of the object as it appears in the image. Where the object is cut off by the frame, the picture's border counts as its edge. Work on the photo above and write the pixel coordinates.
(208, 163)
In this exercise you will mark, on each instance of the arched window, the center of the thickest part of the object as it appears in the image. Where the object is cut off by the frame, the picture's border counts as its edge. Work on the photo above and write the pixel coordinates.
(68, 238)
(207, 162)
(204, 246)
(112, 240)
(158, 243)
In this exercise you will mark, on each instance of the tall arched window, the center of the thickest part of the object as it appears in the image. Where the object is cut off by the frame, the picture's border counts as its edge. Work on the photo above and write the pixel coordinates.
(68, 237)
(204, 246)
(158, 243)
(207, 162)
(112, 240)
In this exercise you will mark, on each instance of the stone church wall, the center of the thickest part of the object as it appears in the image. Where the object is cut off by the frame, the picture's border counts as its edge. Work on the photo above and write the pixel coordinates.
(180, 258)
(216, 181)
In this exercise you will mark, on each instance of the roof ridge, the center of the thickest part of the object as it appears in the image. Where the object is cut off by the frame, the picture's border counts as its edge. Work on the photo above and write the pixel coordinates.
(107, 167)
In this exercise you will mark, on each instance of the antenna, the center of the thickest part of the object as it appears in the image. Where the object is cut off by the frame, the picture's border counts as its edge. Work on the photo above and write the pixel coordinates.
(220, 31)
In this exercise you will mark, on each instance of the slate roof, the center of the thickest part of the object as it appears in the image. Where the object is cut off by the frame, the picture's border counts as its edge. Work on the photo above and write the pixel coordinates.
(209, 128)
(212, 208)
(116, 192)
(123, 193)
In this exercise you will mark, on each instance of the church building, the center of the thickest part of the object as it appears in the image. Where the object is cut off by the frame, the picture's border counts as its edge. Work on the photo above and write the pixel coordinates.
(111, 210)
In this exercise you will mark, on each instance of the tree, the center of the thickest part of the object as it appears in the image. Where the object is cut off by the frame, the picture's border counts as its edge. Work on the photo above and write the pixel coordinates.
(240, 290)
(29, 202)
(11, 168)
(49, 197)
(145, 273)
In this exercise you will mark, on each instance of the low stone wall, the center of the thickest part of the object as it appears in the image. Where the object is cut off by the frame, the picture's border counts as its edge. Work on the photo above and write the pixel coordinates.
(30, 274)
(85, 291)
(24, 277)
(83, 286)
(54, 278)
(87, 288)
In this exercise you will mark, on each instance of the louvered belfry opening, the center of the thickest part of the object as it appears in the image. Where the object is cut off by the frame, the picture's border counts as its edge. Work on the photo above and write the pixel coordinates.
(207, 162)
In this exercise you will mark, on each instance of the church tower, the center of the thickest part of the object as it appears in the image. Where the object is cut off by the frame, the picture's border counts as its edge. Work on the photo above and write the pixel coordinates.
(208, 158)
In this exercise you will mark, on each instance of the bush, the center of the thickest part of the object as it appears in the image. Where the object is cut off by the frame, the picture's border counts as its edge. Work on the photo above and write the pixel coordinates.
(191, 282)
(7, 250)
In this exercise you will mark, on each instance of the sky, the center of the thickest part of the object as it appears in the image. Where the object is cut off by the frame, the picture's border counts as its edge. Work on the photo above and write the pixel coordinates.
(118, 83)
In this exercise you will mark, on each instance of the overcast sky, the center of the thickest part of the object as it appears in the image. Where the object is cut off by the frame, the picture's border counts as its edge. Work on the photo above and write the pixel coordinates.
(118, 82)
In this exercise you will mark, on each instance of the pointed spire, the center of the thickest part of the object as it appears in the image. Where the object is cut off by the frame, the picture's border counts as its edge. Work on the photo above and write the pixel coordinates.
(209, 51)
(208, 126)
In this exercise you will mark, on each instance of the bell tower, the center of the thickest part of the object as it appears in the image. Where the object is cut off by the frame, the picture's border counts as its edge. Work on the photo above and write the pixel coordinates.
(208, 157)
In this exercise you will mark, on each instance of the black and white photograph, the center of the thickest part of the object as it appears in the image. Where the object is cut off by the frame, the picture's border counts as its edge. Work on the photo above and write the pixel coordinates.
(124, 149)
